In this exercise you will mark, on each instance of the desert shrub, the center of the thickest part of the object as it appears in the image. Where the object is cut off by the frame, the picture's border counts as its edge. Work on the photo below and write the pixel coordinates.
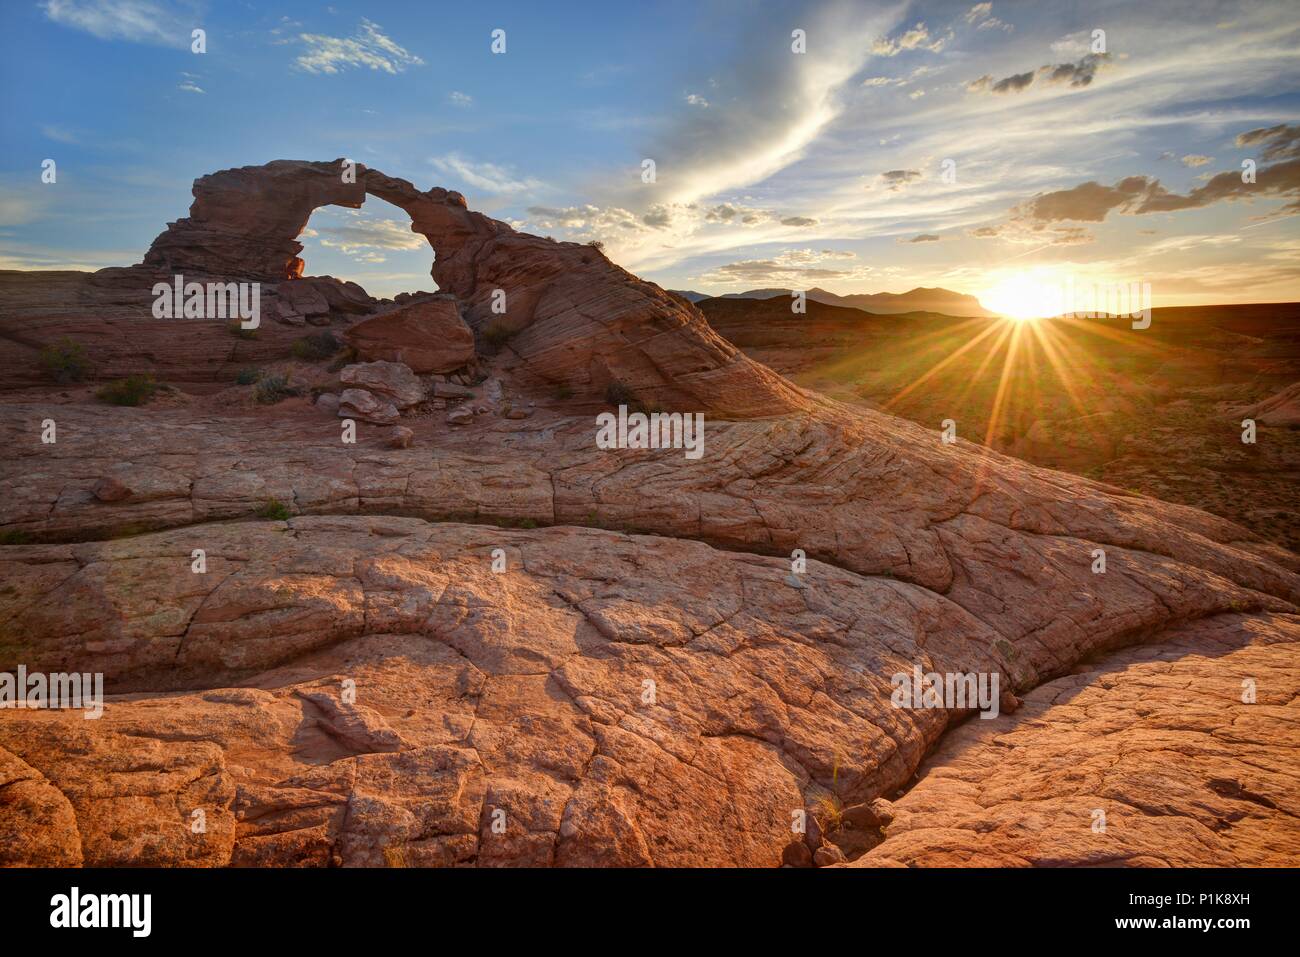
(499, 333)
(317, 346)
(273, 389)
(248, 376)
(236, 329)
(344, 358)
(562, 392)
(65, 361)
(618, 393)
(830, 815)
(133, 390)
(273, 509)
(14, 536)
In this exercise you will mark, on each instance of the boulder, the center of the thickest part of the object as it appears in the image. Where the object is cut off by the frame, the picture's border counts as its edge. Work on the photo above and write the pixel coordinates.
(302, 296)
(828, 854)
(391, 380)
(428, 336)
(360, 404)
(111, 489)
(400, 437)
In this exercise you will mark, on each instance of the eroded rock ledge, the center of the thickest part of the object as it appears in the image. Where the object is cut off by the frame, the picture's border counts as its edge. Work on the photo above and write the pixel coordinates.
(524, 690)
(1148, 758)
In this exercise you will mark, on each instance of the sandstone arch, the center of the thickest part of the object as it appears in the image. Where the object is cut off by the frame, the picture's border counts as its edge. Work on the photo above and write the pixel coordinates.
(574, 317)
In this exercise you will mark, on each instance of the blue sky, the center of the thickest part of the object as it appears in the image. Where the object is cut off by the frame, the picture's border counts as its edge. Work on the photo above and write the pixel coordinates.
(773, 168)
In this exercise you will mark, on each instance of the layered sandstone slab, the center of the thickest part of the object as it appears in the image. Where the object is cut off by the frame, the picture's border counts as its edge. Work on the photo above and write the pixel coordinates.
(622, 699)
(1148, 758)
(875, 495)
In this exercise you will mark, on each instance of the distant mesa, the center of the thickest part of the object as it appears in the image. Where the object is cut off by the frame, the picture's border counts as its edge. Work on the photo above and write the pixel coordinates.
(920, 299)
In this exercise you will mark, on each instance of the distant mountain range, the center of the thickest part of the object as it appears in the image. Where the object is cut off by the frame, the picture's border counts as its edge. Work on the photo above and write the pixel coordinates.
(921, 299)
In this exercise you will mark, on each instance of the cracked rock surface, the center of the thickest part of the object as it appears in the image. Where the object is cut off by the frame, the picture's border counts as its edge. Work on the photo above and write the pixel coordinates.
(1149, 758)
(633, 672)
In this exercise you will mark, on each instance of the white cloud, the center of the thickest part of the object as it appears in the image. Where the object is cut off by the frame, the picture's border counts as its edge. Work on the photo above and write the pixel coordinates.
(458, 98)
(60, 134)
(364, 234)
(981, 16)
(694, 99)
(189, 86)
(137, 21)
(368, 48)
(488, 177)
(918, 36)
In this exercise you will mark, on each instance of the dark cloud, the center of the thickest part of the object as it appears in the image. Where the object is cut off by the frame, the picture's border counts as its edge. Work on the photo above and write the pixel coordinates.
(1088, 202)
(1092, 202)
(896, 179)
(922, 238)
(798, 221)
(1075, 74)
(1078, 74)
(657, 217)
(1283, 141)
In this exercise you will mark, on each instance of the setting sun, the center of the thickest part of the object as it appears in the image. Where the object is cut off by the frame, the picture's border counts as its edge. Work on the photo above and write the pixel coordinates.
(1024, 296)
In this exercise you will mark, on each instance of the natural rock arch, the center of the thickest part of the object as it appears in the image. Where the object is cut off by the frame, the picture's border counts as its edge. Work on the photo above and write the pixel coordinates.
(573, 317)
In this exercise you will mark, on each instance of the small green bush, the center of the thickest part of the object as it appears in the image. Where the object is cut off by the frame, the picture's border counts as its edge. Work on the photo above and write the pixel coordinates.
(248, 376)
(273, 389)
(317, 346)
(273, 509)
(65, 361)
(14, 536)
(133, 390)
(236, 329)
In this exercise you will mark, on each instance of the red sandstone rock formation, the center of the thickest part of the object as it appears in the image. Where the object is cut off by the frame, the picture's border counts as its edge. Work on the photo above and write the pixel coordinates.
(522, 691)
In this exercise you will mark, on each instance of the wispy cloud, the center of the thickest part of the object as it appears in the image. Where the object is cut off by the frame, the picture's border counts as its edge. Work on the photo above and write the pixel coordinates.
(60, 134)
(457, 98)
(917, 37)
(487, 177)
(793, 268)
(369, 48)
(137, 21)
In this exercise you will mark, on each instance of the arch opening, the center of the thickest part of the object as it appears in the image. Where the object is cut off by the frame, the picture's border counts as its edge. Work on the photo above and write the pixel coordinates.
(372, 245)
